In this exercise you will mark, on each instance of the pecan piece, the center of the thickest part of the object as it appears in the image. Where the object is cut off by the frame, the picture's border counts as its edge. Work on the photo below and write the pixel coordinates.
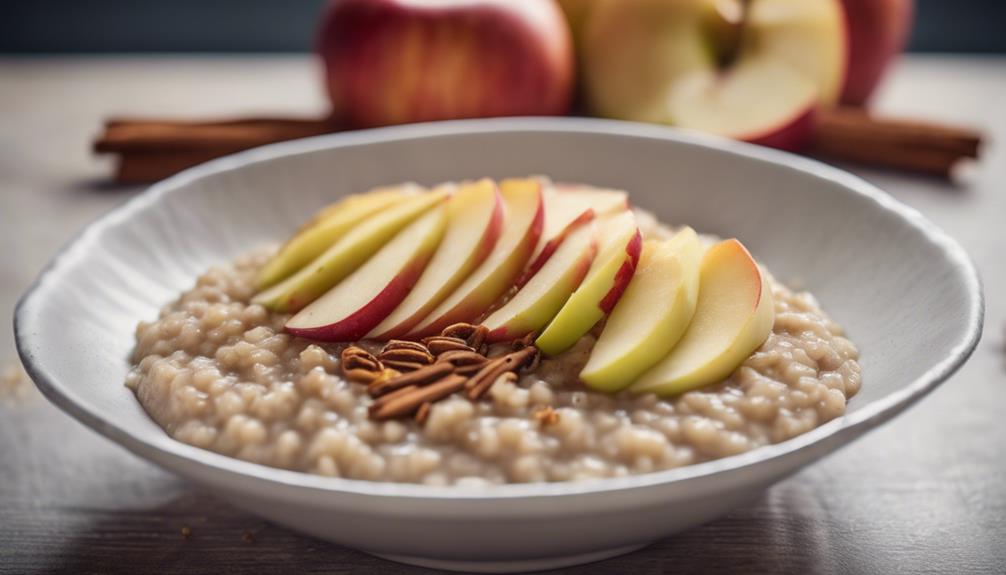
(419, 377)
(420, 356)
(439, 344)
(359, 365)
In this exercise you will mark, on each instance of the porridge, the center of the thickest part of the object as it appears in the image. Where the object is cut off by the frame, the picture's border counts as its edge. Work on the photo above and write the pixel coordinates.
(220, 372)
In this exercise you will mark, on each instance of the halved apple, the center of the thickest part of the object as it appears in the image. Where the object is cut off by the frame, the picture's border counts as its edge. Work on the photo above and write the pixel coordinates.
(733, 317)
(522, 225)
(475, 221)
(652, 315)
(618, 251)
(564, 205)
(546, 291)
(353, 307)
(348, 253)
(328, 225)
(754, 70)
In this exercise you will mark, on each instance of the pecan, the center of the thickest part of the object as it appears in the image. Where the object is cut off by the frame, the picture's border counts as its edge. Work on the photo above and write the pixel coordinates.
(359, 365)
(403, 365)
(420, 356)
(460, 357)
(480, 383)
(473, 335)
(419, 377)
(408, 399)
(403, 344)
(439, 344)
(423, 413)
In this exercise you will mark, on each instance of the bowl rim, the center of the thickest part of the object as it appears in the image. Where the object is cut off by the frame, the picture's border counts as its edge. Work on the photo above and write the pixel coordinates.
(843, 428)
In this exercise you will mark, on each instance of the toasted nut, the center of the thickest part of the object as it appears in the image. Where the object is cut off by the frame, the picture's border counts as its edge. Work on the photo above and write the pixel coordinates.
(459, 330)
(461, 357)
(404, 366)
(419, 377)
(420, 356)
(360, 375)
(441, 344)
(354, 357)
(423, 413)
(403, 344)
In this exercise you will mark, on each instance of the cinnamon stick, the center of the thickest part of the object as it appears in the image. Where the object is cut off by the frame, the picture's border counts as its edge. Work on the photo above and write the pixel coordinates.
(854, 135)
(152, 149)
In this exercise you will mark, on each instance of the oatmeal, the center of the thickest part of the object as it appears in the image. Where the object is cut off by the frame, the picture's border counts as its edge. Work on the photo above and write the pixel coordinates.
(219, 372)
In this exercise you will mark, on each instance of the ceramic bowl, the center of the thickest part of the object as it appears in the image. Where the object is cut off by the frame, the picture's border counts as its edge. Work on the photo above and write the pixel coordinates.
(907, 294)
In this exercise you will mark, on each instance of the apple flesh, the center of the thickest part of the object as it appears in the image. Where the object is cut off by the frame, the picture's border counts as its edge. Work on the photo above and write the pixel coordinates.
(522, 225)
(353, 307)
(541, 297)
(347, 254)
(328, 225)
(753, 71)
(733, 318)
(397, 61)
(652, 315)
(566, 205)
(475, 221)
(618, 252)
(878, 30)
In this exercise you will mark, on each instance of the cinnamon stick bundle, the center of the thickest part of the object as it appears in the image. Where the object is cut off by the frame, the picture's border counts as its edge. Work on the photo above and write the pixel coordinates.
(152, 149)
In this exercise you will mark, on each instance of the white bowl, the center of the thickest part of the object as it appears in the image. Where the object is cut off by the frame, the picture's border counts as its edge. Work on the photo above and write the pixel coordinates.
(907, 294)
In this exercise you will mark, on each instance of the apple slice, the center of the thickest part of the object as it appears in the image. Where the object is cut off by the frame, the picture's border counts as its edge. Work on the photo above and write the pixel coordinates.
(537, 302)
(475, 216)
(564, 205)
(353, 307)
(755, 70)
(522, 226)
(733, 317)
(328, 225)
(618, 252)
(651, 316)
(347, 254)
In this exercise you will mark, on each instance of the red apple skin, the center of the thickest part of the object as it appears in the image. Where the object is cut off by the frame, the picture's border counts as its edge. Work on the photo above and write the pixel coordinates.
(794, 136)
(468, 313)
(399, 61)
(358, 324)
(624, 274)
(551, 246)
(486, 244)
(877, 31)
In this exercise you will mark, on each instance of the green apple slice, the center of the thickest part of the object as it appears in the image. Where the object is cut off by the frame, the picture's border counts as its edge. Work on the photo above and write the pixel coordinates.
(652, 314)
(328, 225)
(353, 307)
(347, 254)
(618, 251)
(733, 317)
(541, 297)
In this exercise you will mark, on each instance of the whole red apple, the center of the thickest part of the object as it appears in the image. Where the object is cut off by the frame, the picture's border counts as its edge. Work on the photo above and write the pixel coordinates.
(878, 30)
(399, 61)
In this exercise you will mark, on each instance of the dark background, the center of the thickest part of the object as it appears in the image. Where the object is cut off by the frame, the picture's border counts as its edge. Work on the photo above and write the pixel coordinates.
(88, 26)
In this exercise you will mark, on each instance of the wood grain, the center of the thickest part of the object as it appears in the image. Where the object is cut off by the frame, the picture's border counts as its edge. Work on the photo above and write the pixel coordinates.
(924, 494)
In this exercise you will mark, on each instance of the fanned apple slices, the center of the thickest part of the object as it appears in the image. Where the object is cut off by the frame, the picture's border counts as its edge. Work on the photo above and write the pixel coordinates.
(475, 221)
(351, 309)
(733, 317)
(347, 253)
(521, 231)
(330, 224)
(652, 314)
(541, 297)
(543, 259)
(618, 251)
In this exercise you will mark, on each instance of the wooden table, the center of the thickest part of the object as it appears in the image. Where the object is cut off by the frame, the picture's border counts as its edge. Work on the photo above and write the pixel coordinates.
(926, 493)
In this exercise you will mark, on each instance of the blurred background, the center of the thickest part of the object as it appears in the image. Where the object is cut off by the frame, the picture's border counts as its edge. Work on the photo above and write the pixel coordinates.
(275, 26)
